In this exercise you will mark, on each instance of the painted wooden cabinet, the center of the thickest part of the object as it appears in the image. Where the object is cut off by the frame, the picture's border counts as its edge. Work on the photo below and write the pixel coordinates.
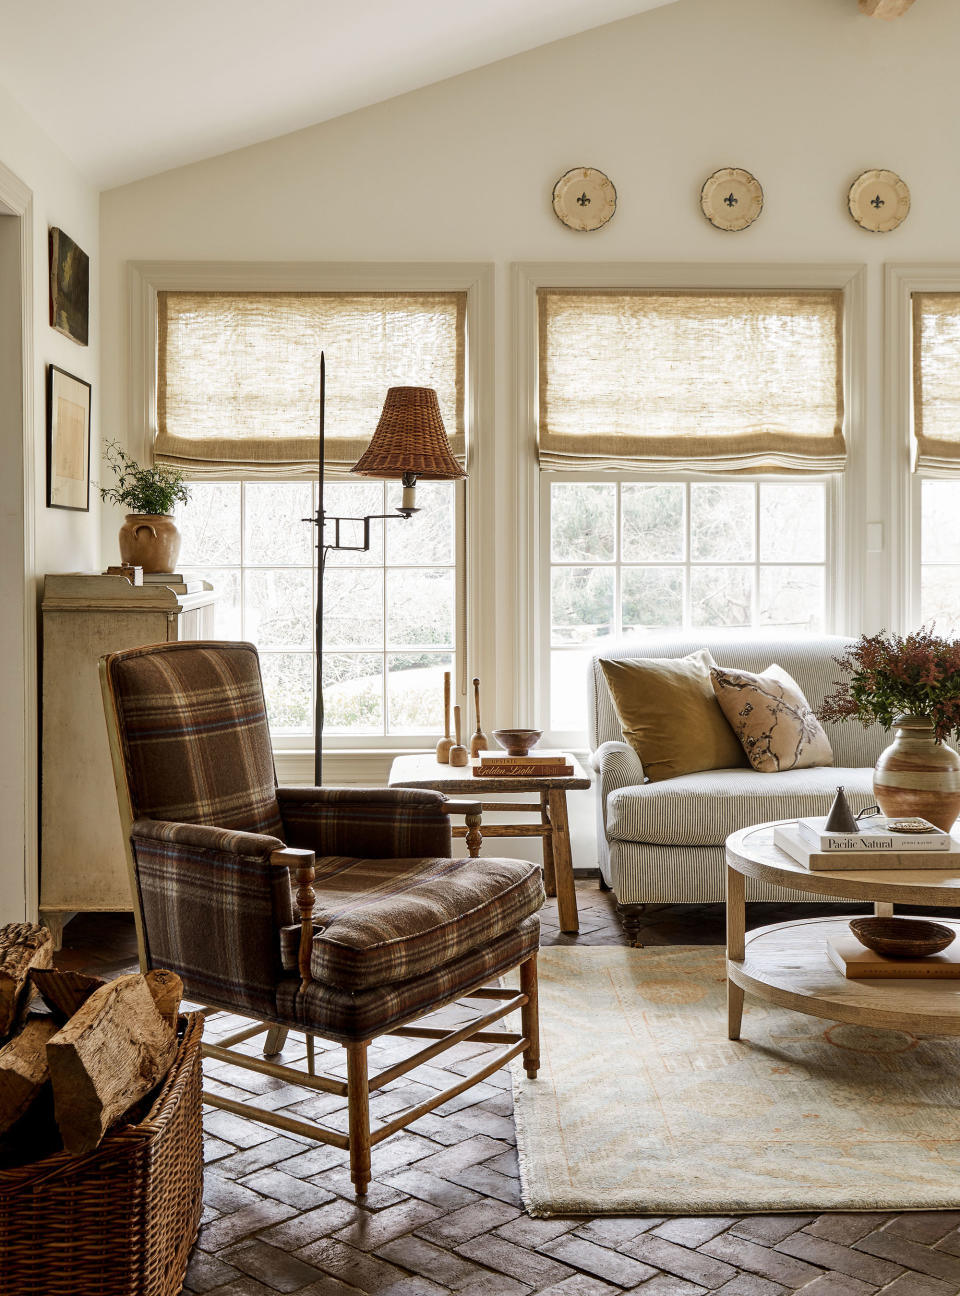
(82, 861)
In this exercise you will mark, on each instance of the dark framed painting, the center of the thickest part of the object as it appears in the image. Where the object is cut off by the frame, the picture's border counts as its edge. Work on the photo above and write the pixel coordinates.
(69, 287)
(68, 441)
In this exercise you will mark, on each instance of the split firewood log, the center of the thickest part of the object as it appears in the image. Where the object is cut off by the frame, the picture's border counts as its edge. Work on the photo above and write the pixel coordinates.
(22, 947)
(23, 1069)
(64, 992)
(111, 1052)
(167, 990)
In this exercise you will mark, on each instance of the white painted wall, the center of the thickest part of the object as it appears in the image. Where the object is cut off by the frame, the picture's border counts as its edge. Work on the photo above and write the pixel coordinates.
(806, 96)
(52, 540)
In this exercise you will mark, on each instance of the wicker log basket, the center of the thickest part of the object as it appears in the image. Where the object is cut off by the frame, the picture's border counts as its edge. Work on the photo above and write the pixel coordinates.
(120, 1221)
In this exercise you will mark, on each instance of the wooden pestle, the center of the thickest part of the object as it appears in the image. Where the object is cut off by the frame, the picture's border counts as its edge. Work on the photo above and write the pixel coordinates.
(458, 753)
(446, 742)
(478, 742)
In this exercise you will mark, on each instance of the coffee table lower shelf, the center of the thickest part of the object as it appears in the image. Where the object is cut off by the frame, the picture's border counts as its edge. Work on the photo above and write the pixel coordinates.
(787, 964)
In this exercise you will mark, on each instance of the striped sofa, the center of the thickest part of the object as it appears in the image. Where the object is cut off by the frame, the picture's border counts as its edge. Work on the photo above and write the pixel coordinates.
(662, 843)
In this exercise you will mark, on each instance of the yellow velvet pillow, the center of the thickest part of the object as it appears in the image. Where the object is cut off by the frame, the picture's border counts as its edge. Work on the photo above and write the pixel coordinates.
(670, 716)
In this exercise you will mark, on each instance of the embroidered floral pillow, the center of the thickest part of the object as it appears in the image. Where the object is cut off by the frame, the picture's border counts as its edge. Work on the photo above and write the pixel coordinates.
(772, 719)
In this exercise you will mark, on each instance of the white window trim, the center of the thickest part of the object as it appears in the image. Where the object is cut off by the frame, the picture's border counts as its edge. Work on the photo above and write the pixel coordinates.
(476, 279)
(901, 282)
(848, 521)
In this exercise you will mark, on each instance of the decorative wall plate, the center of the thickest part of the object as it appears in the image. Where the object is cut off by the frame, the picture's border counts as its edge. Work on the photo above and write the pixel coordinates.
(584, 198)
(879, 201)
(731, 199)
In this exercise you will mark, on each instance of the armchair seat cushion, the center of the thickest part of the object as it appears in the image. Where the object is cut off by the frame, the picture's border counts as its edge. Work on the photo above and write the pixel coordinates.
(703, 809)
(381, 921)
(342, 1014)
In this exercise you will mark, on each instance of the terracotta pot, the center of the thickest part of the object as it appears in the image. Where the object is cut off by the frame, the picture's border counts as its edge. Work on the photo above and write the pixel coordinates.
(917, 776)
(150, 541)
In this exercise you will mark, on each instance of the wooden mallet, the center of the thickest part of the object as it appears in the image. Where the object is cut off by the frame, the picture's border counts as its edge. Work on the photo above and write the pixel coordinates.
(478, 742)
(446, 742)
(458, 753)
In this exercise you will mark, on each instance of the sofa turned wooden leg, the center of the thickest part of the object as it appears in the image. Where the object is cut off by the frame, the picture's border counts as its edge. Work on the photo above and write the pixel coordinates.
(632, 917)
(358, 1104)
(530, 1017)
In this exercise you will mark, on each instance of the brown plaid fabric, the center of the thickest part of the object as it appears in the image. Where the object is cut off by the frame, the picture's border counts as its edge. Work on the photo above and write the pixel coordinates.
(344, 1015)
(213, 905)
(382, 920)
(390, 823)
(195, 737)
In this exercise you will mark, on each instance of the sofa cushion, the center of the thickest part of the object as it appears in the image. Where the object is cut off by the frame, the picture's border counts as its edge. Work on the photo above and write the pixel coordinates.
(385, 920)
(703, 809)
(771, 718)
(670, 716)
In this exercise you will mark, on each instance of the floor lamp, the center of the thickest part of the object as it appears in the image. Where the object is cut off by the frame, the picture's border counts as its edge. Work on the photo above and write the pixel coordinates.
(409, 443)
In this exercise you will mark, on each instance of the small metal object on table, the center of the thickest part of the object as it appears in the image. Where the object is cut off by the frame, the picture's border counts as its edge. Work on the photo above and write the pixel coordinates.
(424, 771)
(787, 963)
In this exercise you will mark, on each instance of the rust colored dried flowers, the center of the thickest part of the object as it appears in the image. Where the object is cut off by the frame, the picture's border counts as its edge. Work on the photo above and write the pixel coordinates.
(891, 675)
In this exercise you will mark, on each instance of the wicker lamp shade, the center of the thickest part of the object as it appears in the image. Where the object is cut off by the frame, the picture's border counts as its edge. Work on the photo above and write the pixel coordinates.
(410, 439)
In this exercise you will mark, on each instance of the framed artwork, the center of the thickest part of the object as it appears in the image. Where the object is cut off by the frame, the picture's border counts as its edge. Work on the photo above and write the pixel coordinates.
(69, 287)
(68, 441)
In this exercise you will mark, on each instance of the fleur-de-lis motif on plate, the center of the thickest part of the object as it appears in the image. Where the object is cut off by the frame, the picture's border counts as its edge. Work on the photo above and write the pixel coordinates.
(583, 200)
(878, 202)
(730, 200)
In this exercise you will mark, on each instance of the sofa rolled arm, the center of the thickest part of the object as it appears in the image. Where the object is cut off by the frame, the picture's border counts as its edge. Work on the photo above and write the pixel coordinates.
(371, 823)
(617, 765)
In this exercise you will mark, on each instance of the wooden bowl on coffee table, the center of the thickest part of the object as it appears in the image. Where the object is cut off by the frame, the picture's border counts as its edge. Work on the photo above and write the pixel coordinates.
(902, 937)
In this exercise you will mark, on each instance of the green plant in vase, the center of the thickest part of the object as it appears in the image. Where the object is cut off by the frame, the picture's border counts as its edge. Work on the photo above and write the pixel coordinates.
(149, 537)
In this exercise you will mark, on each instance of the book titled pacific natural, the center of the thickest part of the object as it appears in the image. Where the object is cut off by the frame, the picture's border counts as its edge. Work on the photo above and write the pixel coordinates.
(878, 833)
(789, 839)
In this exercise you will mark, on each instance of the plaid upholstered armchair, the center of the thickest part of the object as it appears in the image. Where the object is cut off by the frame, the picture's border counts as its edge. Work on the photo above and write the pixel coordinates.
(335, 912)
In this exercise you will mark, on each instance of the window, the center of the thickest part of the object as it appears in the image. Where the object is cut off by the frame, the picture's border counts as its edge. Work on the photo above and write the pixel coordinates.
(234, 400)
(691, 444)
(627, 557)
(391, 615)
(940, 555)
(936, 426)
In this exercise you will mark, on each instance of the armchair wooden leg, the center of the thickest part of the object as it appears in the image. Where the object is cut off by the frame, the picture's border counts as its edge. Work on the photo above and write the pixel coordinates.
(530, 1017)
(275, 1040)
(358, 1104)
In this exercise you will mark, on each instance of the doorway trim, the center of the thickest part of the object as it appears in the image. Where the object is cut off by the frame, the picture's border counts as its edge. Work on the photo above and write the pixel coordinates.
(17, 199)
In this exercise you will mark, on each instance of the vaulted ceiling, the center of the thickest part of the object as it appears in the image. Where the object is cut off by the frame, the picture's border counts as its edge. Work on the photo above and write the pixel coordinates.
(128, 88)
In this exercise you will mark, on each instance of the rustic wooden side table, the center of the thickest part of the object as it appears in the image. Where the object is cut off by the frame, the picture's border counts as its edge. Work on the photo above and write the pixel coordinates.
(425, 771)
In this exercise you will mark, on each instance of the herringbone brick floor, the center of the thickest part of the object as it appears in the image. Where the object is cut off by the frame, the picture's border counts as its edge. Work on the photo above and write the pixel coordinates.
(444, 1213)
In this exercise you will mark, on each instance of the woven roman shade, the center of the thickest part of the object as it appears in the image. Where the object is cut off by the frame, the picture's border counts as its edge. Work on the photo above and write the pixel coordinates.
(936, 381)
(238, 375)
(666, 381)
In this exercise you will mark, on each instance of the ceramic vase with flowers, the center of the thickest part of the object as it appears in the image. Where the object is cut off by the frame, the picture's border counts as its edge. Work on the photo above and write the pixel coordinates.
(149, 537)
(911, 684)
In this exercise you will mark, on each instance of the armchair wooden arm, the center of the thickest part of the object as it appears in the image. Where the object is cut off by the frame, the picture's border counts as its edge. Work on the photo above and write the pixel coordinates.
(301, 864)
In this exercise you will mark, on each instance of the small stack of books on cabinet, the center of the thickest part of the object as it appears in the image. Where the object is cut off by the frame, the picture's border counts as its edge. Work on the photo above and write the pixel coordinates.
(543, 765)
(913, 844)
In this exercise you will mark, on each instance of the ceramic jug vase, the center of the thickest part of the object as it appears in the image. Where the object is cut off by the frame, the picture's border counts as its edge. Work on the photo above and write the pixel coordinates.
(917, 776)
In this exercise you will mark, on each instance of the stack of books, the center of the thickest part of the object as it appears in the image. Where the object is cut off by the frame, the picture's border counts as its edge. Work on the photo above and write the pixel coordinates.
(875, 846)
(857, 963)
(176, 581)
(543, 765)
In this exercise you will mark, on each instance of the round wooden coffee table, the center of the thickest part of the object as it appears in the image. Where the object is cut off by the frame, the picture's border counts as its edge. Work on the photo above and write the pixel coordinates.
(787, 963)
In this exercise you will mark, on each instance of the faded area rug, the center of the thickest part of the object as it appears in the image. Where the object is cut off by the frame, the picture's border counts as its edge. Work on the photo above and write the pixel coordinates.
(643, 1106)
